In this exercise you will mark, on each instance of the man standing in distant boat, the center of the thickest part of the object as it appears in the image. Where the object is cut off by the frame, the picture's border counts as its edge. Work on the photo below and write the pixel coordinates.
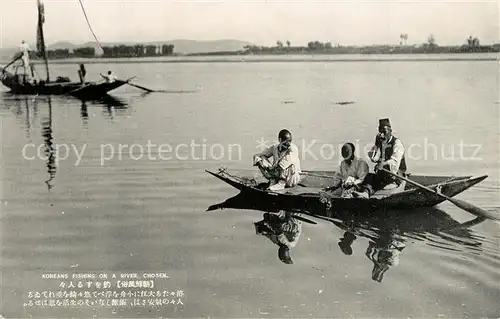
(25, 56)
(390, 151)
(110, 77)
(284, 170)
(352, 175)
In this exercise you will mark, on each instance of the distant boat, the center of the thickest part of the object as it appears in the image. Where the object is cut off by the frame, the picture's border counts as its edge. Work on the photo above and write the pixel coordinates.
(344, 103)
(18, 84)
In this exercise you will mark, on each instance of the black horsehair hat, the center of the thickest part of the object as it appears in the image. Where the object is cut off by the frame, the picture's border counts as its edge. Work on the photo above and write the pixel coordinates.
(384, 122)
(284, 254)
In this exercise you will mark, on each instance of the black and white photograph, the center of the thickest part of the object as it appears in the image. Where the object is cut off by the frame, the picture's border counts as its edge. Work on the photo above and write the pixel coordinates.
(249, 159)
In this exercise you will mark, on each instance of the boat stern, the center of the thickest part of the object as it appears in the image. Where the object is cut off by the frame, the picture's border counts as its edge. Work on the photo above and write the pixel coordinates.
(96, 90)
(458, 186)
(416, 198)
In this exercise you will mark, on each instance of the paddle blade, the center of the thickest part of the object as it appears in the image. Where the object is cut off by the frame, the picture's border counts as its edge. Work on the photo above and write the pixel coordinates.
(140, 87)
(474, 210)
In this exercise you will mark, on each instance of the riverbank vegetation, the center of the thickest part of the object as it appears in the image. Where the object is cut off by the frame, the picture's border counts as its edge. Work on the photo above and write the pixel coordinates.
(118, 51)
(471, 45)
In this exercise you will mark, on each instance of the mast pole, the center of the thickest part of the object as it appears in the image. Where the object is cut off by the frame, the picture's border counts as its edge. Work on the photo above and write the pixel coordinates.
(41, 38)
(45, 55)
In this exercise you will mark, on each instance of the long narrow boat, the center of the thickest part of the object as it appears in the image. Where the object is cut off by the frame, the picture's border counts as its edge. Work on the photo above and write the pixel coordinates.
(310, 190)
(83, 90)
(18, 84)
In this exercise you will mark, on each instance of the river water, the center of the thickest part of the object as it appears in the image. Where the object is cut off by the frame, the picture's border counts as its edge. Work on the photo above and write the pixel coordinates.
(124, 190)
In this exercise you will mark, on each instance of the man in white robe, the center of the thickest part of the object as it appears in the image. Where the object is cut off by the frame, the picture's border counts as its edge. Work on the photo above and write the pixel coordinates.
(280, 163)
(24, 49)
(110, 77)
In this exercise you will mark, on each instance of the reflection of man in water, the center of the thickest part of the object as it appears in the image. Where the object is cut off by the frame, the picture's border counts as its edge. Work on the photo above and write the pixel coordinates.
(346, 242)
(384, 253)
(282, 229)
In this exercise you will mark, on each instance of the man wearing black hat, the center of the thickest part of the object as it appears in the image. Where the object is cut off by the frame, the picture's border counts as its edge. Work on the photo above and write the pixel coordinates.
(391, 157)
(352, 174)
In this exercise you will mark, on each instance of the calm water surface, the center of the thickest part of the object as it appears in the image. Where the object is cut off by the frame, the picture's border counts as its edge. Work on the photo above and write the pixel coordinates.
(125, 211)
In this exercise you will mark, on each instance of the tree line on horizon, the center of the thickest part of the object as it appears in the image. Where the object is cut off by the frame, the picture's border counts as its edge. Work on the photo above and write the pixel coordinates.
(472, 44)
(117, 51)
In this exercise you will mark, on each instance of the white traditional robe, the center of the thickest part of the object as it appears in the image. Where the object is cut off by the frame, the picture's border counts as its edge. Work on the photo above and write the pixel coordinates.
(288, 162)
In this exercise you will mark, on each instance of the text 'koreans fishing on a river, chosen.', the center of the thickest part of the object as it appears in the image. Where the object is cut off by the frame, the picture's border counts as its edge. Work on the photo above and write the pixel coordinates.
(104, 276)
(105, 289)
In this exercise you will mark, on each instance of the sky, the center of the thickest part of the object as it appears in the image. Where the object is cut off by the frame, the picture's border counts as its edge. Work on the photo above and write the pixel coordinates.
(260, 22)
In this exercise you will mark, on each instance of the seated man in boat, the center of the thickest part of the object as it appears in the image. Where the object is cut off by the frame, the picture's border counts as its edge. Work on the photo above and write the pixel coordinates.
(352, 175)
(283, 230)
(110, 77)
(391, 156)
(284, 170)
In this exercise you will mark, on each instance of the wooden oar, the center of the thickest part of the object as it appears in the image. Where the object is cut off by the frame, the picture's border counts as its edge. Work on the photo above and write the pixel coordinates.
(138, 86)
(141, 87)
(316, 175)
(151, 90)
(135, 85)
(12, 62)
(468, 207)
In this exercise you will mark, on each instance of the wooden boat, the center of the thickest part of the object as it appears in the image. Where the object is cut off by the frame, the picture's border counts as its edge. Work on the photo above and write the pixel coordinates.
(18, 84)
(310, 191)
(89, 90)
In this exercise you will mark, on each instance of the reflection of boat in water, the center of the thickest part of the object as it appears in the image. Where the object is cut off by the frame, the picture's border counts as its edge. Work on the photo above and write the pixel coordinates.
(104, 100)
(50, 151)
(26, 109)
(388, 233)
(110, 105)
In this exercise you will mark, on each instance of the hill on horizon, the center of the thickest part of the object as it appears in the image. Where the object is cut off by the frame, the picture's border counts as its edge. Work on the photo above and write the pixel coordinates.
(182, 46)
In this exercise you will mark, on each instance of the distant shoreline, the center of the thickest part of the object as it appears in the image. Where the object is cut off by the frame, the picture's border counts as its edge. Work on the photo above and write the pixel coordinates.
(275, 58)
